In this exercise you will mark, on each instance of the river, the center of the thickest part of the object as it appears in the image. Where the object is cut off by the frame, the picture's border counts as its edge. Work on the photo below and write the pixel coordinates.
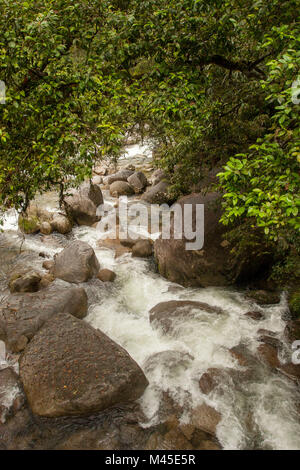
(121, 310)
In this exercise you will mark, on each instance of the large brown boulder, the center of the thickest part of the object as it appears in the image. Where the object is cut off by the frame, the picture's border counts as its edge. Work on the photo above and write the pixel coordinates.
(69, 368)
(61, 224)
(76, 263)
(138, 181)
(142, 249)
(21, 316)
(207, 267)
(93, 192)
(166, 314)
(121, 175)
(121, 188)
(82, 205)
(25, 282)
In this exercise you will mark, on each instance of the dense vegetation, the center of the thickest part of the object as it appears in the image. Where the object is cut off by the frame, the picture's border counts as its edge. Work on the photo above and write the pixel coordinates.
(213, 83)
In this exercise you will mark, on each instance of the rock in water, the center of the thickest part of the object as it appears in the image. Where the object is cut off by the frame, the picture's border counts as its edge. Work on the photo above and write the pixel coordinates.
(21, 316)
(25, 282)
(167, 314)
(142, 249)
(61, 224)
(82, 205)
(138, 181)
(106, 275)
(76, 263)
(69, 368)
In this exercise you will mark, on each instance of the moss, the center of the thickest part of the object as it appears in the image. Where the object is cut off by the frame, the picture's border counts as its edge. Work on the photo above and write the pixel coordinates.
(28, 224)
(294, 304)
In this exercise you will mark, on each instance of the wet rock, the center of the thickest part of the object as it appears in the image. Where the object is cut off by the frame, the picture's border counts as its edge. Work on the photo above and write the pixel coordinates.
(120, 188)
(255, 315)
(114, 245)
(48, 264)
(11, 395)
(157, 194)
(45, 228)
(292, 371)
(207, 267)
(128, 242)
(79, 369)
(106, 275)
(171, 359)
(243, 356)
(61, 224)
(138, 181)
(25, 282)
(214, 264)
(46, 280)
(206, 418)
(76, 263)
(142, 249)
(292, 331)
(28, 225)
(271, 340)
(268, 355)
(21, 316)
(263, 297)
(121, 175)
(34, 219)
(210, 380)
(165, 314)
(93, 192)
(97, 179)
(82, 205)
(169, 436)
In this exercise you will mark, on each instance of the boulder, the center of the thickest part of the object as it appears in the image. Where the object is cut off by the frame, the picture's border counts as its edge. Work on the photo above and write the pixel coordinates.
(214, 264)
(158, 176)
(97, 179)
(69, 368)
(25, 282)
(21, 316)
(93, 192)
(45, 228)
(206, 418)
(61, 224)
(48, 264)
(142, 249)
(106, 275)
(11, 394)
(255, 315)
(82, 205)
(76, 263)
(120, 188)
(28, 224)
(165, 314)
(121, 175)
(207, 267)
(138, 181)
(157, 194)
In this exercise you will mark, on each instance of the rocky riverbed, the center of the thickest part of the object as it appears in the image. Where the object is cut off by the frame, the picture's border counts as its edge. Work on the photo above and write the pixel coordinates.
(99, 351)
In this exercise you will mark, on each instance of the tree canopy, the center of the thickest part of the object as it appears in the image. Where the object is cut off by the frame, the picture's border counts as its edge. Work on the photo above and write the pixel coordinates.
(212, 83)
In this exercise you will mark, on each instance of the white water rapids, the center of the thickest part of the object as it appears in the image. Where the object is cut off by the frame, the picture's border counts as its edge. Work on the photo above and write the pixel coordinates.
(121, 310)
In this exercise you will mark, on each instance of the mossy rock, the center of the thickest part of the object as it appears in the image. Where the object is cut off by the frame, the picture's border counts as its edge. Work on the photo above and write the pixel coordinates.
(28, 225)
(294, 304)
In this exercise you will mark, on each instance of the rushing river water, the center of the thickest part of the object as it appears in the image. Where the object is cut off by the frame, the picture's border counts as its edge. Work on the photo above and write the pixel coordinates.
(121, 310)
